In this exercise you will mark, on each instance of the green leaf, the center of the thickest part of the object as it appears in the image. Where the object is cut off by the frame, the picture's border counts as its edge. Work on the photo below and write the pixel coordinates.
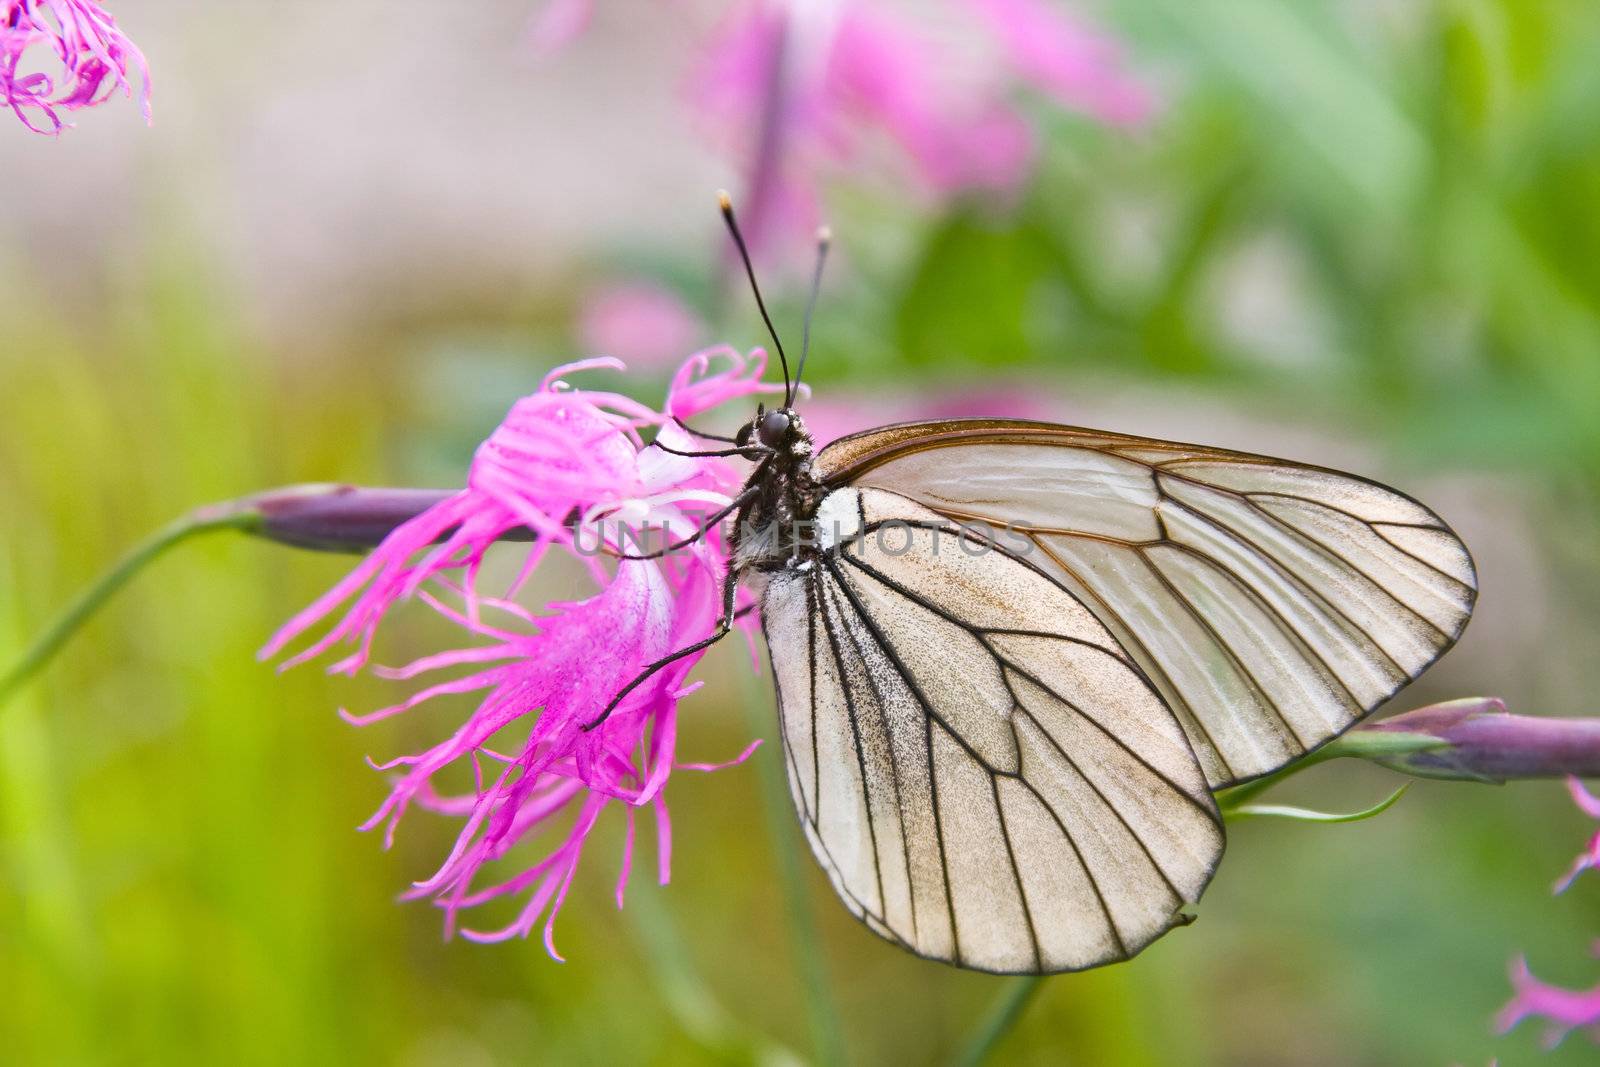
(971, 297)
(1283, 811)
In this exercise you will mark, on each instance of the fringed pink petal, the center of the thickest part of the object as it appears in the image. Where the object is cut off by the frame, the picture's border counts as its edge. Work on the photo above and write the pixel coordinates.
(697, 388)
(467, 622)
(749, 750)
(471, 682)
(1563, 1010)
(441, 660)
(1586, 801)
(548, 673)
(626, 867)
(663, 841)
(555, 909)
(95, 58)
(1587, 860)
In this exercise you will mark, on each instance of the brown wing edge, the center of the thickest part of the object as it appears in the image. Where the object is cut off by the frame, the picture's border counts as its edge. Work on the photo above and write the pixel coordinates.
(842, 461)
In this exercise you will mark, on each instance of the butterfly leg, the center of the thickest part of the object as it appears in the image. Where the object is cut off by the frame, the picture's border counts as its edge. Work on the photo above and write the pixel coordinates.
(746, 451)
(724, 438)
(711, 520)
(730, 590)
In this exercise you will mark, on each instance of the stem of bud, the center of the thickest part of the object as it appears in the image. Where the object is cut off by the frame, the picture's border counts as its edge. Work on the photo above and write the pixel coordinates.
(330, 518)
(202, 520)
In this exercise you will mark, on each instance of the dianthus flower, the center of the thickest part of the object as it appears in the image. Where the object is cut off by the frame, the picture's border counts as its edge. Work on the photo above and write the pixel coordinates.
(1589, 858)
(1563, 1010)
(805, 87)
(91, 54)
(641, 323)
(567, 471)
(798, 90)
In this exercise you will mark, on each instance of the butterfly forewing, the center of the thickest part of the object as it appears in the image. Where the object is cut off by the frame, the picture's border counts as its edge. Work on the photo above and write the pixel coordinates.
(982, 770)
(1271, 604)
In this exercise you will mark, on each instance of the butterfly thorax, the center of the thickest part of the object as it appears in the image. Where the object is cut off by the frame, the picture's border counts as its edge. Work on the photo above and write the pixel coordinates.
(773, 528)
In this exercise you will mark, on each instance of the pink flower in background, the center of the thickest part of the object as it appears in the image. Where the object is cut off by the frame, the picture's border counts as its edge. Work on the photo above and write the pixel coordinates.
(1563, 1009)
(1589, 858)
(1067, 60)
(563, 469)
(638, 322)
(808, 87)
(91, 58)
(557, 23)
(799, 89)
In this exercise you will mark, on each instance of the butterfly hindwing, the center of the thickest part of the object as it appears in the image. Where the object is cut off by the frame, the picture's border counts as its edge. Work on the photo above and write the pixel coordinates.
(1272, 604)
(983, 772)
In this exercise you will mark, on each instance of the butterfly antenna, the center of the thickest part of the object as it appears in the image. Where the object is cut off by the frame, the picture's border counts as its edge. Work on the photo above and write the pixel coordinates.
(725, 202)
(824, 239)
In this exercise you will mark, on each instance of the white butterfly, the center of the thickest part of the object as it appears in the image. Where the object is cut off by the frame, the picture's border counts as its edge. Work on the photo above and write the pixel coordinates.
(1014, 659)
(1002, 748)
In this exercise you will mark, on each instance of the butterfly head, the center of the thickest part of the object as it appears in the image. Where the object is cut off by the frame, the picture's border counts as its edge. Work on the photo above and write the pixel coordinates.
(780, 431)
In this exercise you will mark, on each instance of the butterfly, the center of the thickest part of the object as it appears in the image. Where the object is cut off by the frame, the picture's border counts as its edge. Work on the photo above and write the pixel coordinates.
(1014, 660)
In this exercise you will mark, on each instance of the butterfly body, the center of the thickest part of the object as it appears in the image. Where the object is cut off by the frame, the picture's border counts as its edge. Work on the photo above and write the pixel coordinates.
(772, 528)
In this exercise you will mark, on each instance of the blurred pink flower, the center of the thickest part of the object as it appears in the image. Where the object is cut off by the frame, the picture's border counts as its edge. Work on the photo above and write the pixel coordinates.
(808, 86)
(1564, 1009)
(93, 56)
(557, 23)
(1070, 61)
(639, 323)
(1589, 858)
(565, 467)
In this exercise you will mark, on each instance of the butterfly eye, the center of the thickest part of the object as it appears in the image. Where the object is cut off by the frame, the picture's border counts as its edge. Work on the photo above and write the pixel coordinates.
(774, 428)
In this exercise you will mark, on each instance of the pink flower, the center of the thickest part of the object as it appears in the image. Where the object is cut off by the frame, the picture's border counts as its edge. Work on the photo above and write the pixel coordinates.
(1589, 858)
(811, 86)
(1068, 60)
(639, 323)
(1564, 1009)
(93, 56)
(564, 469)
(557, 23)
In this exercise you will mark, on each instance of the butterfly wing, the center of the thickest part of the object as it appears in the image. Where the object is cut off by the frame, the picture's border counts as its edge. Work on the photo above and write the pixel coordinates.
(983, 772)
(1272, 604)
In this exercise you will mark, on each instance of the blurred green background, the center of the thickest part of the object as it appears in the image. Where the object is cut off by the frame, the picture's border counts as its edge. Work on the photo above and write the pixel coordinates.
(1361, 233)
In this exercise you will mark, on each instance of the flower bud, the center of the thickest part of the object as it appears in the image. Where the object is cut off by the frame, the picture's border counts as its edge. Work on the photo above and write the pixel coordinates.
(336, 518)
(1476, 739)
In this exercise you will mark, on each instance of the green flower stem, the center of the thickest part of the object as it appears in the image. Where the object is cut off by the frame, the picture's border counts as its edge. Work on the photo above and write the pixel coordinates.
(323, 517)
(1002, 1017)
(779, 808)
(1361, 743)
(241, 515)
(687, 995)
